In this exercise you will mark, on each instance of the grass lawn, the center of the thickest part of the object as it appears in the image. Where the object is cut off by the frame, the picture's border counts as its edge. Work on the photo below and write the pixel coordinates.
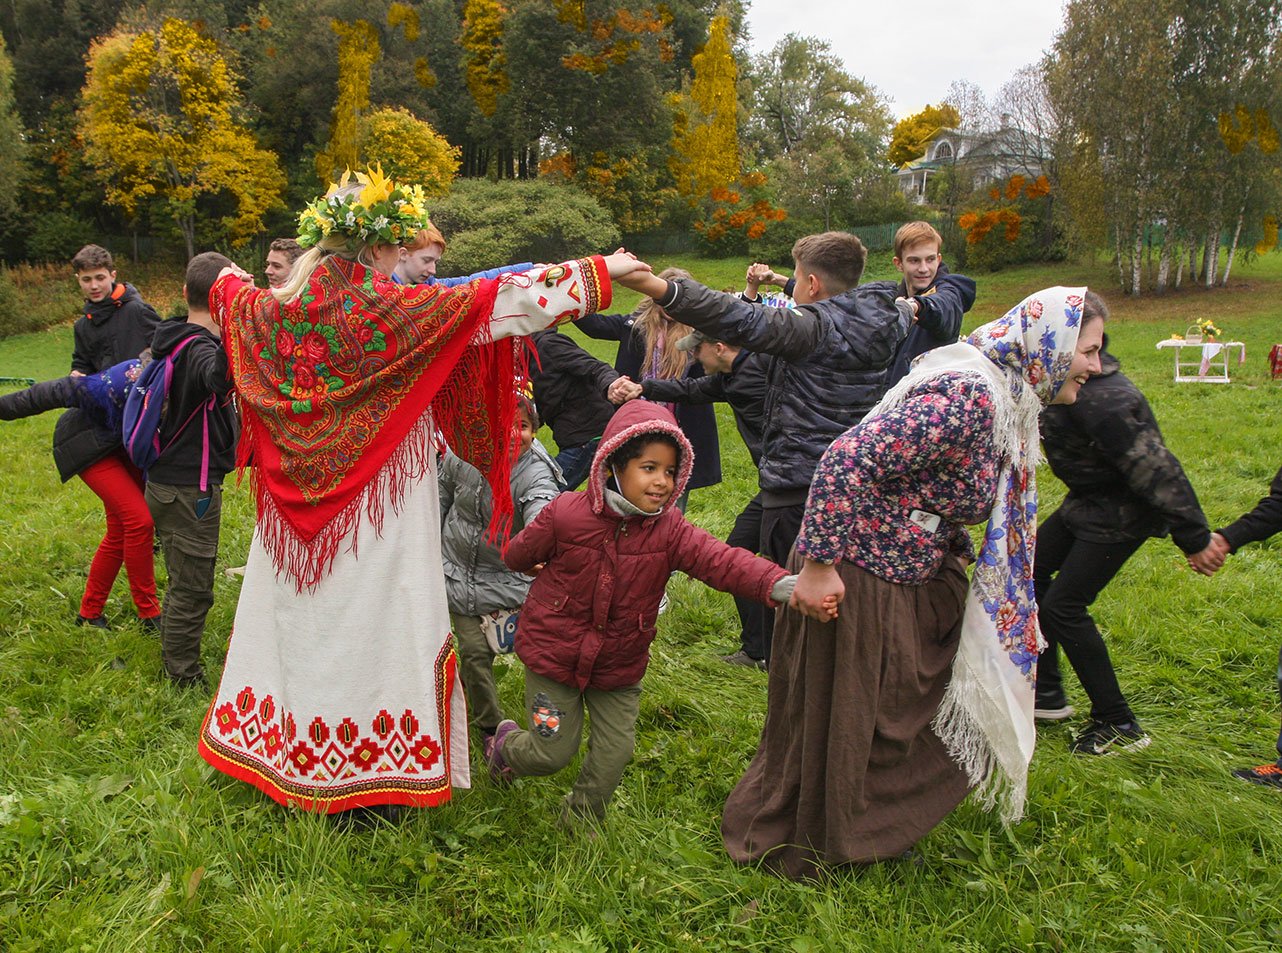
(115, 835)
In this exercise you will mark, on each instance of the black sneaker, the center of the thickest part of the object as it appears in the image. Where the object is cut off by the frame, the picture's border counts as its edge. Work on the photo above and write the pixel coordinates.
(150, 625)
(1052, 706)
(97, 622)
(1106, 737)
(1269, 775)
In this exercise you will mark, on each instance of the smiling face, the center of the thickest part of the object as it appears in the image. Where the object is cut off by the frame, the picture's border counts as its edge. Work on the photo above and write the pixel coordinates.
(522, 434)
(648, 481)
(919, 263)
(1090, 339)
(277, 268)
(96, 283)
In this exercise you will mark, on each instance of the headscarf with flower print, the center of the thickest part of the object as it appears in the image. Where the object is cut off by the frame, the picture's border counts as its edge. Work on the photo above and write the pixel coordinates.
(986, 717)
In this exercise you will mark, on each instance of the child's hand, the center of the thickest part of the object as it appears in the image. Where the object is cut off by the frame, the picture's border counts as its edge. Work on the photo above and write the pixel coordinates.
(534, 570)
(829, 605)
(623, 263)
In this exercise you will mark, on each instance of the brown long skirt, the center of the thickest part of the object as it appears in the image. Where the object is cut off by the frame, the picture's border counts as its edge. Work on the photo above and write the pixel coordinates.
(848, 770)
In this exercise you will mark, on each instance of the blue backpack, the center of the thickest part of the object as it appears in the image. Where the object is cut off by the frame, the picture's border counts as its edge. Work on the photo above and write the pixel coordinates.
(145, 408)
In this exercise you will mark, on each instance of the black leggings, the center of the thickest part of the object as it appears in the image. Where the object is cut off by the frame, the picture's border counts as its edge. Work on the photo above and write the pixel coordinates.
(1081, 569)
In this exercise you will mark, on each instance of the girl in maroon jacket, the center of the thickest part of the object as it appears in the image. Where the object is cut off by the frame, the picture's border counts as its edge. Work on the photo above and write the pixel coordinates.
(603, 557)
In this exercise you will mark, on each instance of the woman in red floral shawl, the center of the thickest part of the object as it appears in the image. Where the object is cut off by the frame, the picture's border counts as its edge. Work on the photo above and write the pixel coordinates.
(340, 689)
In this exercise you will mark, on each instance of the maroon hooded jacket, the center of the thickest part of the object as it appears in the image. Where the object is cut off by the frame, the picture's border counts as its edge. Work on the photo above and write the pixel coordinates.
(590, 616)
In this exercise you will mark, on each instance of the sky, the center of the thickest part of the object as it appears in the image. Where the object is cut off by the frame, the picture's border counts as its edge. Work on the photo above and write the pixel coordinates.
(912, 52)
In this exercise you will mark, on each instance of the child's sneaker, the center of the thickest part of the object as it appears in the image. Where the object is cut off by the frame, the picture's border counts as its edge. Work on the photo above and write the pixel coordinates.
(1052, 706)
(500, 771)
(1269, 775)
(1106, 737)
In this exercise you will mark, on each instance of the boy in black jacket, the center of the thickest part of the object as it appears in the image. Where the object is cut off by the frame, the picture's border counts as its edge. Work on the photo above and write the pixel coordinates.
(184, 486)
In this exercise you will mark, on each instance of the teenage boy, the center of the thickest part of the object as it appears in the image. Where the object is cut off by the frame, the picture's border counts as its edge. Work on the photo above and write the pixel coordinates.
(830, 355)
(116, 325)
(281, 255)
(738, 378)
(184, 486)
(418, 260)
(938, 297)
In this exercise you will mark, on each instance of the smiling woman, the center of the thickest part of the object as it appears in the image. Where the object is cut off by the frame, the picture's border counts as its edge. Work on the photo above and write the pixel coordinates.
(879, 723)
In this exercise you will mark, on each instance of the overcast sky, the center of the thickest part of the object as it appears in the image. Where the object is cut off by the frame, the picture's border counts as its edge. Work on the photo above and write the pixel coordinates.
(912, 50)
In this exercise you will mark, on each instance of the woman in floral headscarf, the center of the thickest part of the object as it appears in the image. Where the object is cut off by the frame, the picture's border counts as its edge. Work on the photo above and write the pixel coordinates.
(880, 722)
(341, 688)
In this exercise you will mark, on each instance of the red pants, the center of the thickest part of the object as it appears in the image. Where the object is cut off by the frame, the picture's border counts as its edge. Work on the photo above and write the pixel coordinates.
(129, 539)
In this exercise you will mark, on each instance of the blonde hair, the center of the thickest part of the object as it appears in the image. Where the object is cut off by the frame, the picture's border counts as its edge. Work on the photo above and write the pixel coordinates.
(332, 244)
(659, 336)
(915, 233)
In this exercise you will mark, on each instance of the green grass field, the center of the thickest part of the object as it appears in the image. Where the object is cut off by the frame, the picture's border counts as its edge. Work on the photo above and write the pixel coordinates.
(114, 835)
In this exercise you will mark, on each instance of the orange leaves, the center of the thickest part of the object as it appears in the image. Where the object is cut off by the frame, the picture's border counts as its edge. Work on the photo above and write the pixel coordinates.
(1039, 188)
(1239, 127)
(977, 226)
(728, 212)
(617, 36)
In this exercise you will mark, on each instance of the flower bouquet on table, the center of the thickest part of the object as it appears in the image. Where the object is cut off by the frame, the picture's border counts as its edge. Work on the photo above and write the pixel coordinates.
(1205, 330)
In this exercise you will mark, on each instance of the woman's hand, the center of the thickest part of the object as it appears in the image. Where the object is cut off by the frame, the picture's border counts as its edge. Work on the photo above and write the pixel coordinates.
(819, 591)
(234, 269)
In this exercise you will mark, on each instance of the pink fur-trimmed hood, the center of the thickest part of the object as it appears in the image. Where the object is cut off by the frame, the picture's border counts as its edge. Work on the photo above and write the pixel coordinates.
(632, 419)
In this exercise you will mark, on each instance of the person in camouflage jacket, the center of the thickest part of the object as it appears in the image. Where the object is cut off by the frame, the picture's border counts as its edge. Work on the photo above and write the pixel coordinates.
(1124, 486)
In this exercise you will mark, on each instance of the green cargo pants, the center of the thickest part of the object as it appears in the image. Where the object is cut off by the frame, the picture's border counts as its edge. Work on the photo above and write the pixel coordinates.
(556, 727)
(187, 523)
(476, 666)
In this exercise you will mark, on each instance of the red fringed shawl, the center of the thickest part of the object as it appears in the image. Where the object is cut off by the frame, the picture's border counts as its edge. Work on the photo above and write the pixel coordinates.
(334, 388)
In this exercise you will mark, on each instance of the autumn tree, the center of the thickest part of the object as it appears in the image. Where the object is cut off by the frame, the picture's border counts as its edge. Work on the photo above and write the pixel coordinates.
(1172, 155)
(158, 125)
(910, 135)
(705, 153)
(12, 171)
(358, 50)
(482, 43)
(818, 132)
(409, 149)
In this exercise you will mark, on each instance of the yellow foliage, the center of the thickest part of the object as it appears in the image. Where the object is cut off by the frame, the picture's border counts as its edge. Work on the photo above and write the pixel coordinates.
(1270, 240)
(358, 51)
(409, 150)
(1237, 129)
(909, 136)
(403, 15)
(423, 73)
(1265, 132)
(482, 40)
(148, 142)
(705, 148)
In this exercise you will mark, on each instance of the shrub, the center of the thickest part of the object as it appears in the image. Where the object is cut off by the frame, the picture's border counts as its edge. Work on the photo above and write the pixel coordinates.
(35, 297)
(488, 224)
(57, 236)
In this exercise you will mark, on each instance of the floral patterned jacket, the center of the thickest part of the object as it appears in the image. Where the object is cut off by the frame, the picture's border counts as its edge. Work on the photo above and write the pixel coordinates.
(893, 493)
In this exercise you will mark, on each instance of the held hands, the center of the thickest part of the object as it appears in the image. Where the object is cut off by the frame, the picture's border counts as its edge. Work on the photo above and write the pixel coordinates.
(623, 263)
(818, 592)
(1209, 560)
(623, 390)
(908, 304)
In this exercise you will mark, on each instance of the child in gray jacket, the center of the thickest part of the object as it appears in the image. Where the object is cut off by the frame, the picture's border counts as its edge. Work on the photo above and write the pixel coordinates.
(477, 583)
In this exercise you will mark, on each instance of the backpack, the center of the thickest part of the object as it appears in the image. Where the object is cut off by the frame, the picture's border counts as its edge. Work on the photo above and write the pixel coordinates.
(145, 408)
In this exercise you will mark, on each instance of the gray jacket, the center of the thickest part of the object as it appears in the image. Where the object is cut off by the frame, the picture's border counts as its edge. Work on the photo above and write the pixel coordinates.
(476, 581)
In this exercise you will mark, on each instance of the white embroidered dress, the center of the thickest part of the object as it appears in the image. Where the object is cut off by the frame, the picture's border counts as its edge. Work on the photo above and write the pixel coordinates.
(347, 694)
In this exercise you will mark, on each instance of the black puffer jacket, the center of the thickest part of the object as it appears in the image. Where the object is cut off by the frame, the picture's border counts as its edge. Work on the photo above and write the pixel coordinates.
(743, 387)
(115, 329)
(1123, 483)
(569, 389)
(828, 369)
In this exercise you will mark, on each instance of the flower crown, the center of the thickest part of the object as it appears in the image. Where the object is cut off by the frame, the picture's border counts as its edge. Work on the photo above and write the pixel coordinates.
(381, 212)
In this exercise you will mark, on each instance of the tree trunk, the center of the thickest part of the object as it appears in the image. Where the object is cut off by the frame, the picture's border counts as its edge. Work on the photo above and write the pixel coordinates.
(1237, 234)
(1163, 263)
(1179, 267)
(1137, 259)
(1117, 257)
(1192, 262)
(1211, 256)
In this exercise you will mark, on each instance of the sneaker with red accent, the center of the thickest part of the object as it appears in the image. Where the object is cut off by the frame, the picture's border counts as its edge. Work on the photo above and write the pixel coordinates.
(1269, 775)
(500, 771)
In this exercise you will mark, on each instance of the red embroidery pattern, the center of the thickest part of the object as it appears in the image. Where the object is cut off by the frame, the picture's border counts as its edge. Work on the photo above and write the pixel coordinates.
(326, 753)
